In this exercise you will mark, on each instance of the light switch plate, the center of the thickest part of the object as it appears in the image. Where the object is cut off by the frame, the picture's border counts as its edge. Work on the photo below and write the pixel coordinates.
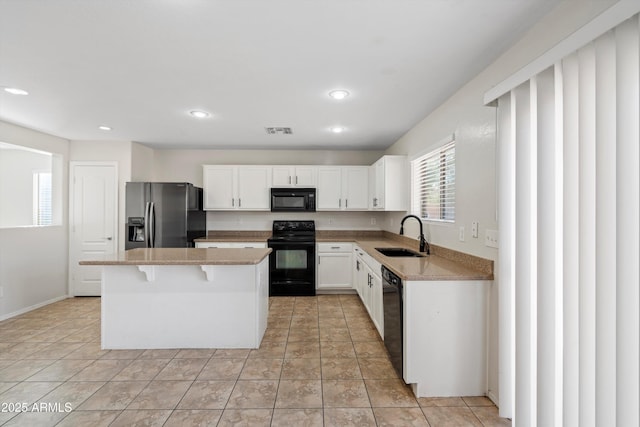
(461, 233)
(474, 229)
(491, 238)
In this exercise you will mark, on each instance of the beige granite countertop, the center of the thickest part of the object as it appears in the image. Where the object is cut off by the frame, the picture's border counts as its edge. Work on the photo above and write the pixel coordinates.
(183, 256)
(442, 264)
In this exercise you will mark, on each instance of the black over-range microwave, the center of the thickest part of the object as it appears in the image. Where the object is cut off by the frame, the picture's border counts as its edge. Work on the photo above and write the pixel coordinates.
(293, 199)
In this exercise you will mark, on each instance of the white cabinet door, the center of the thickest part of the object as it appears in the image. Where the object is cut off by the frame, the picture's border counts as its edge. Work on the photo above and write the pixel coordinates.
(213, 245)
(377, 313)
(219, 187)
(282, 176)
(378, 184)
(329, 195)
(254, 183)
(305, 176)
(390, 181)
(355, 187)
(334, 271)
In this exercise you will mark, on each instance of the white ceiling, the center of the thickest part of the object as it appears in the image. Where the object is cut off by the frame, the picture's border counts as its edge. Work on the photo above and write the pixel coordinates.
(140, 66)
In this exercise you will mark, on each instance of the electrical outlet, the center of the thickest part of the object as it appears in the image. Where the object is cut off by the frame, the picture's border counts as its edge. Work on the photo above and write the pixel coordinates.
(491, 238)
(330, 221)
(373, 221)
(474, 229)
(461, 233)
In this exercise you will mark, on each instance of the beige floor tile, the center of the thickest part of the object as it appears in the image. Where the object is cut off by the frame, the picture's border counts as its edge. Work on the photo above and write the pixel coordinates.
(390, 394)
(115, 395)
(297, 418)
(302, 350)
(279, 322)
(276, 334)
(89, 350)
(377, 368)
(304, 322)
(89, 418)
(60, 370)
(73, 393)
(340, 369)
(349, 417)
(477, 401)
(207, 395)
(441, 401)
(301, 369)
(160, 395)
(246, 418)
(141, 369)
(195, 353)
(36, 419)
(364, 334)
(181, 369)
(299, 394)
(400, 417)
(28, 392)
(253, 394)
(261, 369)
(102, 370)
(489, 417)
(304, 335)
(4, 386)
(23, 369)
(337, 349)
(194, 417)
(335, 334)
(222, 369)
(451, 416)
(332, 322)
(370, 349)
(239, 353)
(55, 351)
(159, 353)
(147, 418)
(122, 354)
(269, 350)
(344, 394)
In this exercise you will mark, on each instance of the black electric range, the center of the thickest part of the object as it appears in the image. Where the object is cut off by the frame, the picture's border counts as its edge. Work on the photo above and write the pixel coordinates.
(292, 262)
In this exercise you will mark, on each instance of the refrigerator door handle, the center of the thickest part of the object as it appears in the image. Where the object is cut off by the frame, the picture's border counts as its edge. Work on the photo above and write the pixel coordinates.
(152, 232)
(147, 224)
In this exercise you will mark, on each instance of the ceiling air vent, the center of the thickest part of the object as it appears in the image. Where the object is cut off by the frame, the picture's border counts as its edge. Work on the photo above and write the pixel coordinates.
(279, 131)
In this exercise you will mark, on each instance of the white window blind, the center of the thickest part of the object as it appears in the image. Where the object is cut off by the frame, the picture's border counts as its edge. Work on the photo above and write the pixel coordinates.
(434, 184)
(42, 212)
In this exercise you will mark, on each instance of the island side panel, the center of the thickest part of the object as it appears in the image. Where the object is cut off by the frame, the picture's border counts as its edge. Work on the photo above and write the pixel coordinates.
(445, 337)
(180, 308)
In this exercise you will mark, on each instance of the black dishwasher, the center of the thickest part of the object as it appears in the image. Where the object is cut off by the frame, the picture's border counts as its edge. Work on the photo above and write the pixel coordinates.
(392, 303)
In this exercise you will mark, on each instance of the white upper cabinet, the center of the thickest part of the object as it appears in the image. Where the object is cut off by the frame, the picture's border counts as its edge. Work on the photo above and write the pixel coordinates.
(294, 176)
(236, 187)
(390, 184)
(343, 188)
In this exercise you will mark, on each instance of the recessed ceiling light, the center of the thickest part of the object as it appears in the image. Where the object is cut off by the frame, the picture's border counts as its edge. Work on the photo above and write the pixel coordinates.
(15, 91)
(104, 127)
(199, 114)
(337, 129)
(339, 94)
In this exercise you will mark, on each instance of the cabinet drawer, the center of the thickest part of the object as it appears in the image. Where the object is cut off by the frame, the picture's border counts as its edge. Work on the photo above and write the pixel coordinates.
(335, 247)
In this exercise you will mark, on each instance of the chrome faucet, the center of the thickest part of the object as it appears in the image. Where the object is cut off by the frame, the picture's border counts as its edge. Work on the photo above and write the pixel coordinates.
(424, 246)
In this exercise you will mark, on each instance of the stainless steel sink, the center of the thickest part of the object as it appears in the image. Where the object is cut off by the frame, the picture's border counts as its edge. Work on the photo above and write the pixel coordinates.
(399, 252)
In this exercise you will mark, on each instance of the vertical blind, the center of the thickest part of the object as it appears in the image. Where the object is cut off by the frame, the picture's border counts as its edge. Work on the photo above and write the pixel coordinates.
(434, 184)
(569, 218)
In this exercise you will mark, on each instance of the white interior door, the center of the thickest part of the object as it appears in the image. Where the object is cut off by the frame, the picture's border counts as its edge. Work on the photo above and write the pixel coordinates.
(92, 222)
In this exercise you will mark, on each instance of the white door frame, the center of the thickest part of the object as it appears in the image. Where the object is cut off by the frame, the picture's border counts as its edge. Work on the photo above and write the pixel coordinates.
(72, 165)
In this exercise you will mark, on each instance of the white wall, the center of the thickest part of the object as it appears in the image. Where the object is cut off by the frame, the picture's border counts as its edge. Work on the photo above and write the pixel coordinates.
(33, 260)
(475, 127)
(142, 161)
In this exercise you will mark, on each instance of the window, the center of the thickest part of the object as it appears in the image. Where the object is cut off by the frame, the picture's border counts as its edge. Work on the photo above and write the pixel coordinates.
(42, 214)
(434, 184)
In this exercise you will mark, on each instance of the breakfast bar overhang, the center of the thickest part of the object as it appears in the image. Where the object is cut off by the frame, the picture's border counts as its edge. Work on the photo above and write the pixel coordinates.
(158, 298)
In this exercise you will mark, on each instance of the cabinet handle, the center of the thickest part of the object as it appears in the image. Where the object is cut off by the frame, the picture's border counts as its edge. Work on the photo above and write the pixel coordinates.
(339, 203)
(289, 179)
(375, 201)
(239, 202)
(346, 203)
(233, 202)
(335, 247)
(357, 265)
(296, 179)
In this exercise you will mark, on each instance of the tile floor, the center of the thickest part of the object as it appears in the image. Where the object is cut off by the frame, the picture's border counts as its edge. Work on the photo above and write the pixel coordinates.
(321, 363)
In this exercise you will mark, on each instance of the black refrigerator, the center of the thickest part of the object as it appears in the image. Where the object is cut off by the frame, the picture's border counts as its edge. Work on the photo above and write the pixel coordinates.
(163, 215)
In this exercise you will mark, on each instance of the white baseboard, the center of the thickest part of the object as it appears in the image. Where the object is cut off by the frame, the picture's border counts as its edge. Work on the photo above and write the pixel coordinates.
(491, 395)
(33, 307)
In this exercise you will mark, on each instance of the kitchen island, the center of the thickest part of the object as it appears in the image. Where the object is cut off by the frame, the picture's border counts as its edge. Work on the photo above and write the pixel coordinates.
(158, 298)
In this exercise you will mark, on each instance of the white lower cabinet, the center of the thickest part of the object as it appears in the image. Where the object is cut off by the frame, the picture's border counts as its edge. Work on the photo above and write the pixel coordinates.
(226, 245)
(368, 283)
(334, 267)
